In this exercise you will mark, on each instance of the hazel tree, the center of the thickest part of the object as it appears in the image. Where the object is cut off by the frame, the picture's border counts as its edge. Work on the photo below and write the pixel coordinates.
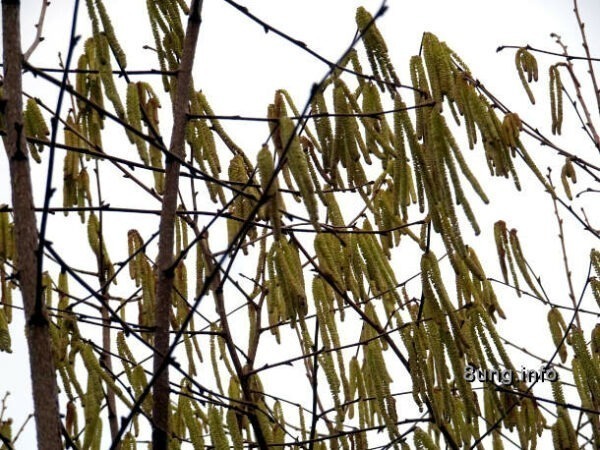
(265, 306)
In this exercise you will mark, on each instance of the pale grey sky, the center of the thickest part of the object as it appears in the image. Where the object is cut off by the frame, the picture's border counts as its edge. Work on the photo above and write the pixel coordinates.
(238, 67)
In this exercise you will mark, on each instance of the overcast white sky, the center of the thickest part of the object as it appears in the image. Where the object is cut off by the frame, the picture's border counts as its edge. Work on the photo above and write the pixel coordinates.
(238, 67)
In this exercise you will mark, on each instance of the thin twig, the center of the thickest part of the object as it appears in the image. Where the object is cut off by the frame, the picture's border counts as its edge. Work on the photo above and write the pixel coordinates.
(563, 248)
(39, 26)
(577, 86)
(586, 49)
(546, 52)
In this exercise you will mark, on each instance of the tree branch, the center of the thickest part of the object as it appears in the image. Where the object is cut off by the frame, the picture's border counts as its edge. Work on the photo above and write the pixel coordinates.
(164, 289)
(39, 26)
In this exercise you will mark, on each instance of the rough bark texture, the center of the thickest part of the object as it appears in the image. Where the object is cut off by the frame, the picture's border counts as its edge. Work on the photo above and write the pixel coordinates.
(43, 374)
(106, 361)
(164, 289)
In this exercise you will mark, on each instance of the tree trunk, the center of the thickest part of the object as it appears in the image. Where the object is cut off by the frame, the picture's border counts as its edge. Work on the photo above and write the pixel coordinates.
(43, 373)
(164, 289)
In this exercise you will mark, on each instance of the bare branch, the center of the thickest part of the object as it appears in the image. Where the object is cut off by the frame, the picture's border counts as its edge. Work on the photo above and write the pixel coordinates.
(39, 26)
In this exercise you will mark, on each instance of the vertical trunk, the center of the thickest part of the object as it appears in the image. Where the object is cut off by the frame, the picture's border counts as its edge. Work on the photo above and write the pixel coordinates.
(164, 289)
(43, 374)
(106, 362)
(105, 358)
(249, 396)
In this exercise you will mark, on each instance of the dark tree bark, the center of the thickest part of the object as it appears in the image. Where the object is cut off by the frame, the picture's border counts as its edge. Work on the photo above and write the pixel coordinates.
(164, 289)
(43, 373)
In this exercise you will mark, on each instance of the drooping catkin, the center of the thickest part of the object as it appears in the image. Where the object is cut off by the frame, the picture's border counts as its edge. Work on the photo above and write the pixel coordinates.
(6, 236)
(268, 181)
(134, 116)
(558, 328)
(5, 340)
(299, 167)
(110, 34)
(556, 98)
(568, 173)
(217, 429)
(526, 66)
(377, 51)
(35, 127)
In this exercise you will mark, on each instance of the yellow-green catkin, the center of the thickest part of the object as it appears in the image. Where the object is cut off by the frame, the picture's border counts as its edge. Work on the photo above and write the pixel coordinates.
(35, 127)
(528, 70)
